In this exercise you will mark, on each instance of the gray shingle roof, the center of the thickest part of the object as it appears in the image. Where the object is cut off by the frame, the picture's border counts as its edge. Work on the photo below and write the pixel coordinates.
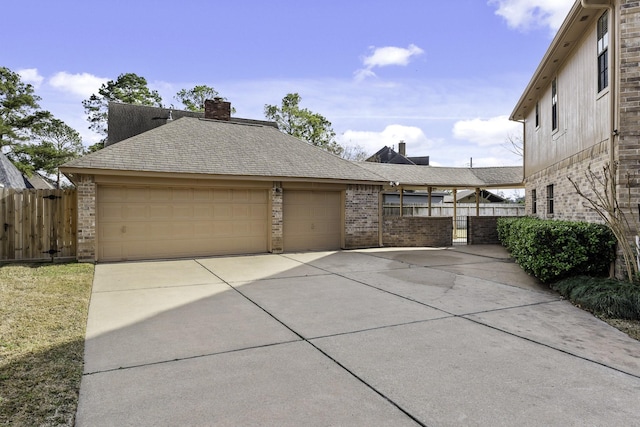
(232, 149)
(10, 176)
(201, 146)
(127, 120)
(447, 177)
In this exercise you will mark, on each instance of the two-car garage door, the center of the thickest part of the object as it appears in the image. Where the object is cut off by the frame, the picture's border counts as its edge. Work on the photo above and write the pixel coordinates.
(153, 222)
(158, 222)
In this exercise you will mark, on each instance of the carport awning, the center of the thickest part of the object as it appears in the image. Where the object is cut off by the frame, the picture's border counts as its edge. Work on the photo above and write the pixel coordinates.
(447, 177)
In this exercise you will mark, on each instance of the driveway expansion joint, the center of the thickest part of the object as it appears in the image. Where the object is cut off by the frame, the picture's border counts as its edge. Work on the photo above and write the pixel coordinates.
(181, 359)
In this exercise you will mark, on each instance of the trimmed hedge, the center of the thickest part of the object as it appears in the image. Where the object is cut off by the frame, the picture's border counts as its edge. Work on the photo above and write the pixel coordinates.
(551, 250)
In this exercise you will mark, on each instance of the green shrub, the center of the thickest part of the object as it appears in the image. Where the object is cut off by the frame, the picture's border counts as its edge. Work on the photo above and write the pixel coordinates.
(608, 297)
(551, 250)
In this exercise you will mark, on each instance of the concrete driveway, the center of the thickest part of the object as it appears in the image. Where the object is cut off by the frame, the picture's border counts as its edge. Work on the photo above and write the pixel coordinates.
(380, 337)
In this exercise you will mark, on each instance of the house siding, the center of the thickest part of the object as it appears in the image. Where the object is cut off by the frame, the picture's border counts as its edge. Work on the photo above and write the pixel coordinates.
(583, 113)
(362, 216)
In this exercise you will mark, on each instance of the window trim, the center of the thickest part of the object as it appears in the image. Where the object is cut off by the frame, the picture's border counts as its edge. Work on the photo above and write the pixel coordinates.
(537, 115)
(554, 106)
(602, 50)
(550, 203)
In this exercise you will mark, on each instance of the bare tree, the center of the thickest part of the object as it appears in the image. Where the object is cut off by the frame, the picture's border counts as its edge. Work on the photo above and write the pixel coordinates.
(354, 152)
(602, 200)
(515, 145)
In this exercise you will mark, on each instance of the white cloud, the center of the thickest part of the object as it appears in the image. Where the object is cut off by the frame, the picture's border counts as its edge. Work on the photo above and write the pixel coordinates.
(31, 76)
(386, 56)
(493, 131)
(527, 14)
(372, 141)
(83, 84)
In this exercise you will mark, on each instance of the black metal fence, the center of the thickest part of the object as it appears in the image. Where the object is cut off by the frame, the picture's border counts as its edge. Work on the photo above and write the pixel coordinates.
(460, 230)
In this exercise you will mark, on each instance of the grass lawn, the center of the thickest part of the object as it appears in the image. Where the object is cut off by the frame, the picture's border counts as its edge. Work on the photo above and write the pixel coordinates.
(43, 311)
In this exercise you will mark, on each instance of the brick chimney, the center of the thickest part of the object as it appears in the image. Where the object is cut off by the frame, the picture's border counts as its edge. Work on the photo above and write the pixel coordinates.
(217, 109)
(402, 148)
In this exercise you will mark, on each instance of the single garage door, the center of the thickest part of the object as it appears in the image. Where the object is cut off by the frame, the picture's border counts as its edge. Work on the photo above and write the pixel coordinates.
(311, 220)
(159, 222)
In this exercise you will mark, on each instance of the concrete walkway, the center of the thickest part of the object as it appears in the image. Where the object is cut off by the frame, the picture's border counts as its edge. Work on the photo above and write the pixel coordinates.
(380, 337)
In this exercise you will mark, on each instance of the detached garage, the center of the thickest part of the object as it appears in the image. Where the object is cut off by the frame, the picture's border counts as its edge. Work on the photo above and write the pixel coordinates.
(194, 187)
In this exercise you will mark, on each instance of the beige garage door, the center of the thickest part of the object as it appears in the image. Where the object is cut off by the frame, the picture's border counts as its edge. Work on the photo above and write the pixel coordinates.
(158, 222)
(311, 220)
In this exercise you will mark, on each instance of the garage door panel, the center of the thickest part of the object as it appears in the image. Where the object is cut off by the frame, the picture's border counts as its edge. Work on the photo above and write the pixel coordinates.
(154, 222)
(312, 220)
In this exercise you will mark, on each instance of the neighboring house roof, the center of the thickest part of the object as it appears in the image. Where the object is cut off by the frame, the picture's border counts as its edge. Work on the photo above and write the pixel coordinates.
(445, 177)
(577, 23)
(484, 194)
(127, 120)
(389, 155)
(40, 182)
(225, 148)
(10, 176)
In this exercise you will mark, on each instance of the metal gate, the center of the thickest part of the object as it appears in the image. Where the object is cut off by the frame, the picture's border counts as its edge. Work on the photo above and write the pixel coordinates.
(460, 230)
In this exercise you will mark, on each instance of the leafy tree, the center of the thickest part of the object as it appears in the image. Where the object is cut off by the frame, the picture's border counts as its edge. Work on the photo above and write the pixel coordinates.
(53, 143)
(19, 109)
(303, 124)
(129, 88)
(193, 99)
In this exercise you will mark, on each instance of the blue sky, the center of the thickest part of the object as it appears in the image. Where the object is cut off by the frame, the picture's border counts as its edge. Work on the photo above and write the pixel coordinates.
(441, 75)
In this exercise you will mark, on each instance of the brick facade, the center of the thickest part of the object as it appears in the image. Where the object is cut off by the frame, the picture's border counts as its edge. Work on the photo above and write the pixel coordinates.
(417, 231)
(86, 188)
(362, 210)
(628, 141)
(277, 240)
(567, 203)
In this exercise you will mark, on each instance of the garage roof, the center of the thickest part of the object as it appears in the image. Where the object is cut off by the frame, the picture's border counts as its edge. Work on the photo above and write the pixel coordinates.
(255, 150)
(227, 148)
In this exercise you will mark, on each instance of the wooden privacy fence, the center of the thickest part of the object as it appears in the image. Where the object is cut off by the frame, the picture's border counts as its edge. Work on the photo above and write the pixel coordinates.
(37, 224)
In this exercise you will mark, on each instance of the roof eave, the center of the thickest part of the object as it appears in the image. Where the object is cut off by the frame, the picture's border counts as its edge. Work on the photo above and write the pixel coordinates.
(72, 172)
(563, 43)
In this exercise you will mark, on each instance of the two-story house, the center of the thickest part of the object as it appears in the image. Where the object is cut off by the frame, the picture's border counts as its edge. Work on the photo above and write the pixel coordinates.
(581, 110)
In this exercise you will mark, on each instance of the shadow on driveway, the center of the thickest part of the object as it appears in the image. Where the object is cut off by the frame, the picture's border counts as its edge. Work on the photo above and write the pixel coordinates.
(370, 337)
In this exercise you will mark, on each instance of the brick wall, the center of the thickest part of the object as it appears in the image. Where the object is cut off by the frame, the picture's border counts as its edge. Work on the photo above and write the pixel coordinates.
(361, 216)
(482, 230)
(567, 203)
(628, 142)
(86, 219)
(277, 241)
(417, 231)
